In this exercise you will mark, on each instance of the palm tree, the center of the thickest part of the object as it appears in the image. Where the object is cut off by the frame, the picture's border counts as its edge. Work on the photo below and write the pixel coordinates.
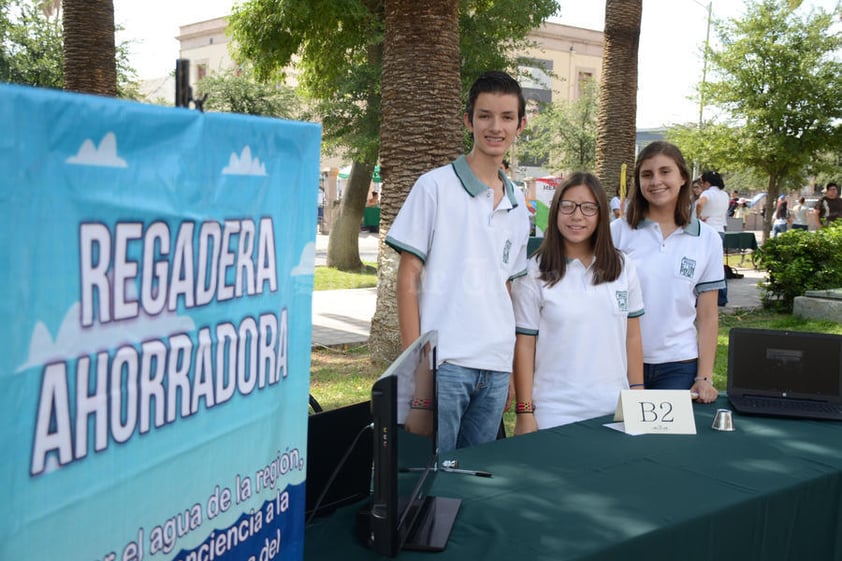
(90, 56)
(615, 137)
(420, 128)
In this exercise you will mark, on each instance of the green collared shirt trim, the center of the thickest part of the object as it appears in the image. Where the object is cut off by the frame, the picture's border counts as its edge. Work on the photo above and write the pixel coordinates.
(694, 228)
(400, 248)
(473, 186)
(518, 275)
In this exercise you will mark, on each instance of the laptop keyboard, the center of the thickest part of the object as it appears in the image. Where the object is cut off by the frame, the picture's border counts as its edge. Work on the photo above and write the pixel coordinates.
(790, 406)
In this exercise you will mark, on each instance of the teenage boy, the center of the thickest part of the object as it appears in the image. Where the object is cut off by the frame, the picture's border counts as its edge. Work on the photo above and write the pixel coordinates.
(462, 235)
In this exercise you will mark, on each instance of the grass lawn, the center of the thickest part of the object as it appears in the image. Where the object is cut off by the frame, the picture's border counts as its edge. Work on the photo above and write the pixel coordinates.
(344, 376)
(328, 278)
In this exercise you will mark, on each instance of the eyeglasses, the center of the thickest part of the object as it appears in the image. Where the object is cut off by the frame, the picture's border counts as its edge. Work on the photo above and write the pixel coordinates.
(569, 207)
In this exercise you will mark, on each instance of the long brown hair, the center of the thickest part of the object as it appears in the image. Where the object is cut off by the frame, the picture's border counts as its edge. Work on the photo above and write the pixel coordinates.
(608, 262)
(639, 206)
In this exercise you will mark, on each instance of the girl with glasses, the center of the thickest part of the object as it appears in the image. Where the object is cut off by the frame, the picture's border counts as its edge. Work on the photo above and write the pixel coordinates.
(679, 259)
(576, 314)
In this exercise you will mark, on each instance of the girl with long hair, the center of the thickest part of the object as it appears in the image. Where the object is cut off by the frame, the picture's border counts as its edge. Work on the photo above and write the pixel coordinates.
(679, 261)
(576, 315)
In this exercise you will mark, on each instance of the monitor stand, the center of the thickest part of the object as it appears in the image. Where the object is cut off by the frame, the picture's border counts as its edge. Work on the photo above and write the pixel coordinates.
(433, 525)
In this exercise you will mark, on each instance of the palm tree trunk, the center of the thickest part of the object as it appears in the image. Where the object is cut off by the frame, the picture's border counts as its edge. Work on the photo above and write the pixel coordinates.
(420, 128)
(90, 63)
(615, 137)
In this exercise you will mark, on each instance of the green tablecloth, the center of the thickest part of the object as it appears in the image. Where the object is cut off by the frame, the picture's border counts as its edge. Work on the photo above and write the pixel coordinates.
(770, 490)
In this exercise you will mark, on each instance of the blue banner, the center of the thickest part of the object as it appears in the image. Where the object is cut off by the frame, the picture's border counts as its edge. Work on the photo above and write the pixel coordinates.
(156, 281)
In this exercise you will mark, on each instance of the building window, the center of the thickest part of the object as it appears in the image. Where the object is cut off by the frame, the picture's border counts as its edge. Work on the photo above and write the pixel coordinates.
(201, 71)
(582, 82)
(535, 77)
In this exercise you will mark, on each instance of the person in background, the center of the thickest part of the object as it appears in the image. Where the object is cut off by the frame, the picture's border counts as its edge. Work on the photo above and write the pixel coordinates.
(507, 171)
(830, 205)
(781, 217)
(679, 262)
(616, 207)
(697, 190)
(462, 235)
(712, 208)
(733, 203)
(577, 313)
(801, 216)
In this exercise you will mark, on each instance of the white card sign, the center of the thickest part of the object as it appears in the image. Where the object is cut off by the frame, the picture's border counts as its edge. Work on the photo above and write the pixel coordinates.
(656, 412)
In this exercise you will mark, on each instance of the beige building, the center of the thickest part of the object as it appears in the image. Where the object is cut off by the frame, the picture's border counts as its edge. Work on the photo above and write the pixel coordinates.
(562, 59)
(205, 45)
(555, 69)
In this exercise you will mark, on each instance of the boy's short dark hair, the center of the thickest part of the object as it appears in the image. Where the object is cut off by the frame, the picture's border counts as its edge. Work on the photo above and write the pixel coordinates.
(495, 81)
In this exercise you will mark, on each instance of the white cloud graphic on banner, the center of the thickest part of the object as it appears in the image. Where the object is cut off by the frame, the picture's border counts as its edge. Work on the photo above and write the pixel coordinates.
(307, 262)
(104, 155)
(72, 342)
(244, 164)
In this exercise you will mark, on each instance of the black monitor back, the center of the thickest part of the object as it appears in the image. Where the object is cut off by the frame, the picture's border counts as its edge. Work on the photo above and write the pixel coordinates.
(329, 436)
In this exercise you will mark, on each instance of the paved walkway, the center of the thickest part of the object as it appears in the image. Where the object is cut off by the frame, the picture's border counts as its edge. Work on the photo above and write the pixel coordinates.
(343, 317)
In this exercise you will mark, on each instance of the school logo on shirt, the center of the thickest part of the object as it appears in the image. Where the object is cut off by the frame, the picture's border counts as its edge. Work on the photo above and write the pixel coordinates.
(688, 267)
(622, 300)
(506, 249)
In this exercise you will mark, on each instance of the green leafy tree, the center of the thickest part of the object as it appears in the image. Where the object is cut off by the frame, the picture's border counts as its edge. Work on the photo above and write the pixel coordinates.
(31, 47)
(776, 83)
(336, 47)
(239, 92)
(564, 133)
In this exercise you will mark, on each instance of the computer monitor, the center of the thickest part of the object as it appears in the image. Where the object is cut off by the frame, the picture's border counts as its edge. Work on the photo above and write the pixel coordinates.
(338, 458)
(402, 514)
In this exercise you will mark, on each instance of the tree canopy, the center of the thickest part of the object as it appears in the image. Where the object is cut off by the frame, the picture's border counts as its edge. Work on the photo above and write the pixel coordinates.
(239, 92)
(564, 133)
(30, 45)
(336, 48)
(31, 37)
(776, 82)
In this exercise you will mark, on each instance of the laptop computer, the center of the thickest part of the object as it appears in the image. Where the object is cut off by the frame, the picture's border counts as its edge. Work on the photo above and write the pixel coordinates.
(785, 373)
(330, 435)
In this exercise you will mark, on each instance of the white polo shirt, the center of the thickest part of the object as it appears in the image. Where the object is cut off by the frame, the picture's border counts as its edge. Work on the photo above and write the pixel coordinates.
(715, 211)
(673, 272)
(470, 250)
(580, 352)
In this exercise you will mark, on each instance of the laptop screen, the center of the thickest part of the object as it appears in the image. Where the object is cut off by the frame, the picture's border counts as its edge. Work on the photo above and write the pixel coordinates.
(785, 364)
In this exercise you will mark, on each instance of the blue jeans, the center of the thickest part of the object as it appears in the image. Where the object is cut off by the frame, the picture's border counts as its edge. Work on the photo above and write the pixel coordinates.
(470, 403)
(670, 375)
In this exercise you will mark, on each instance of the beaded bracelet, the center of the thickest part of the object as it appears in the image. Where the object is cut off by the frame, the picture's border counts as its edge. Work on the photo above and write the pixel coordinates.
(524, 407)
(703, 379)
(420, 403)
